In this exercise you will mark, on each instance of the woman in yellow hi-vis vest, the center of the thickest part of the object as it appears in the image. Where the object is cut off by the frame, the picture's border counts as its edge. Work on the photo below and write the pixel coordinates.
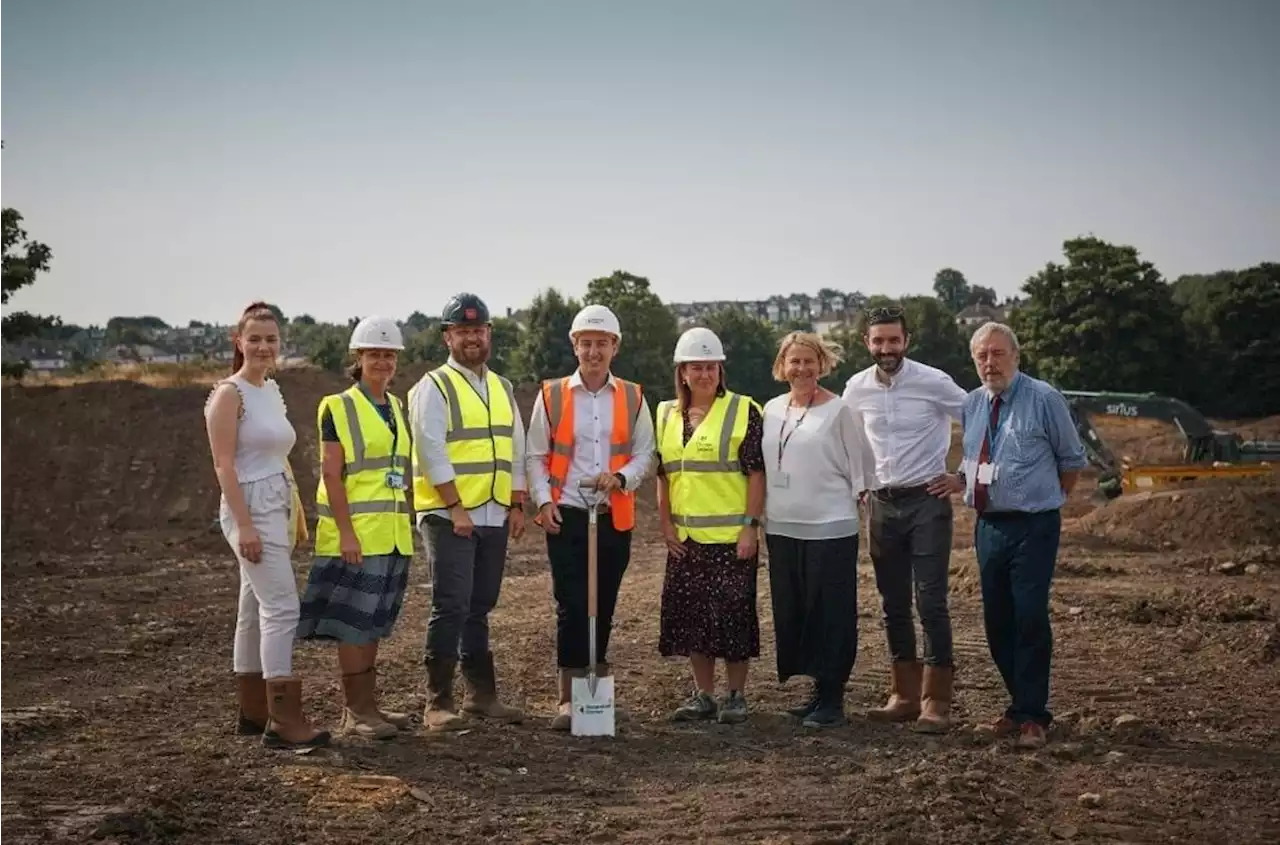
(364, 536)
(710, 498)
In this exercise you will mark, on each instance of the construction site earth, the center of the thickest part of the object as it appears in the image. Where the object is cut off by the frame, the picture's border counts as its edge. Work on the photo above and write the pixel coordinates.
(119, 600)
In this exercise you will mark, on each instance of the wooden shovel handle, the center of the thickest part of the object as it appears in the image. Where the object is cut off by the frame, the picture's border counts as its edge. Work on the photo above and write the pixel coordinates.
(592, 536)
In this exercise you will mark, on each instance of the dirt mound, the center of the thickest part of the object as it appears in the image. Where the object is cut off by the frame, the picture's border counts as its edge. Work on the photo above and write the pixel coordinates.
(1211, 517)
(94, 464)
(1267, 428)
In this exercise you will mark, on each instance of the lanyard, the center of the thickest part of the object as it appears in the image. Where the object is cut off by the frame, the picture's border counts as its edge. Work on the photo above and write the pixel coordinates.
(782, 429)
(389, 421)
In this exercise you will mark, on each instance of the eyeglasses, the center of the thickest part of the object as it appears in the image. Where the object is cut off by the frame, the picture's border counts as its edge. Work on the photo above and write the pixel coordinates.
(891, 312)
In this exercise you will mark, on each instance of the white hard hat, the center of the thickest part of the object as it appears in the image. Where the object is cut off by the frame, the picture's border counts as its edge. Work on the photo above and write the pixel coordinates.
(596, 318)
(376, 333)
(698, 344)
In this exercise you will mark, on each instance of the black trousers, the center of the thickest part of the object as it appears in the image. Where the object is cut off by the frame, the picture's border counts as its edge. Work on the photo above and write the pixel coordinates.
(814, 584)
(567, 552)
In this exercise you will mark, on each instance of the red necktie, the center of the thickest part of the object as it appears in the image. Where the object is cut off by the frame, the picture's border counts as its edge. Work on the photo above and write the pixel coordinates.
(980, 489)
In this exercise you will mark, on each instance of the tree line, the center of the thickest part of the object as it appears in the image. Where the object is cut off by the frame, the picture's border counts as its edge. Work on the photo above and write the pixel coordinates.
(1102, 318)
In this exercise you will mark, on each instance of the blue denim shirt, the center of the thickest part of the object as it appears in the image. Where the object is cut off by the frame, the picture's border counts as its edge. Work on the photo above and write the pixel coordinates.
(1034, 441)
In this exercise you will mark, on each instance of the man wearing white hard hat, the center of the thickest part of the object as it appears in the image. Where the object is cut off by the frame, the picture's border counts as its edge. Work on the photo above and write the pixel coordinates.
(364, 534)
(711, 492)
(589, 426)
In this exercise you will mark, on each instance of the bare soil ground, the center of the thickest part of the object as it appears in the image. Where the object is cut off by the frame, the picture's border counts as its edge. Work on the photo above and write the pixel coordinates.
(119, 602)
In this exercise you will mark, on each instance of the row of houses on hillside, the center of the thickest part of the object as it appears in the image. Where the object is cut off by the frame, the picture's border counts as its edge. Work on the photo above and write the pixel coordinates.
(824, 312)
(827, 309)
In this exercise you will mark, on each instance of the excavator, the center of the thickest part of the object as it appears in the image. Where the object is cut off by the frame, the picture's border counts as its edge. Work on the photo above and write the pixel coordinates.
(1207, 452)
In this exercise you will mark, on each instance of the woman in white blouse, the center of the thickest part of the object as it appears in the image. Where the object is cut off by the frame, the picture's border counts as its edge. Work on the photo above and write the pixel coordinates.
(815, 452)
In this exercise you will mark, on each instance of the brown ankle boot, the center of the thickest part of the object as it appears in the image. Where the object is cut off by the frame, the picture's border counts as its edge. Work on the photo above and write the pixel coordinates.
(564, 712)
(904, 694)
(288, 728)
(482, 690)
(360, 716)
(251, 692)
(935, 713)
(440, 714)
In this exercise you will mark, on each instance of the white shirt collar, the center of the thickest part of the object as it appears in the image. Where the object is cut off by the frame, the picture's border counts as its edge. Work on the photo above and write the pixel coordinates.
(575, 380)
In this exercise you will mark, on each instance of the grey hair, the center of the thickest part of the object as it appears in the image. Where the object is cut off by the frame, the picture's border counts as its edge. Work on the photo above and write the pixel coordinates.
(987, 329)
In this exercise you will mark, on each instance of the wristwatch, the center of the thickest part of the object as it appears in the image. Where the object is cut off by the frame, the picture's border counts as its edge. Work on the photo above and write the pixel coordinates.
(622, 480)
(752, 521)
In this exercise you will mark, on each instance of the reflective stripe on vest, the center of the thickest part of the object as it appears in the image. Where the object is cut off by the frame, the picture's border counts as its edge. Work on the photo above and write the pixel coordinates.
(478, 441)
(379, 513)
(706, 487)
(557, 400)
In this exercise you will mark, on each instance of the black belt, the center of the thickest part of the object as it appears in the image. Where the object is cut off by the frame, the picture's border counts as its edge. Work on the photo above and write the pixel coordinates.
(900, 492)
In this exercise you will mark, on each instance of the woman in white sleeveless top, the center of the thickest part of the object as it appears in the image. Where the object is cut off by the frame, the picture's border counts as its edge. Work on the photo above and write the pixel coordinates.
(251, 437)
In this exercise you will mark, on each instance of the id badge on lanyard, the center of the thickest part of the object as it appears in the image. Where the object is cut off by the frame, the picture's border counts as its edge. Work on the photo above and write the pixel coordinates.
(395, 477)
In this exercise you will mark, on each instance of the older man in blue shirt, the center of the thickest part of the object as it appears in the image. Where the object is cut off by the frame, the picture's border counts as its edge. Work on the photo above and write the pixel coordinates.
(1022, 456)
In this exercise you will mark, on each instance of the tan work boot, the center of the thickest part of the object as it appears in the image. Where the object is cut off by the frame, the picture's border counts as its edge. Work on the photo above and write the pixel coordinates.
(904, 694)
(360, 716)
(482, 690)
(563, 720)
(251, 693)
(401, 721)
(440, 714)
(287, 727)
(935, 711)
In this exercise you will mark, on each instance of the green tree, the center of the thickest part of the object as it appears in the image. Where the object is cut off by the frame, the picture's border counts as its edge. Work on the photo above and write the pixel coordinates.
(504, 342)
(649, 331)
(750, 345)
(854, 356)
(543, 350)
(951, 288)
(978, 295)
(795, 326)
(1231, 318)
(427, 345)
(327, 346)
(22, 260)
(418, 322)
(1104, 320)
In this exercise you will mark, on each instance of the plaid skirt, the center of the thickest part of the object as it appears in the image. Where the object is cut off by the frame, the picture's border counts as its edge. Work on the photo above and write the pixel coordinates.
(353, 605)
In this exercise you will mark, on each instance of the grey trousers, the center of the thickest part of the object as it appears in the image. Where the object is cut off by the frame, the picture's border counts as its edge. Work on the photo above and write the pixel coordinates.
(466, 577)
(911, 551)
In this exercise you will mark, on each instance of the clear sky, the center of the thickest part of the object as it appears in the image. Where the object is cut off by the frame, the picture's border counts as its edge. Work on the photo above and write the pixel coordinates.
(182, 157)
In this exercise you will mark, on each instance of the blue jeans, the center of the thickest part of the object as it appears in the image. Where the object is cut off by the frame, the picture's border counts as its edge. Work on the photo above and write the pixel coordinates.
(1016, 558)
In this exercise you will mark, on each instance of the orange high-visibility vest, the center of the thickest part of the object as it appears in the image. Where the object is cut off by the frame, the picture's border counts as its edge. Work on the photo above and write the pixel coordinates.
(557, 399)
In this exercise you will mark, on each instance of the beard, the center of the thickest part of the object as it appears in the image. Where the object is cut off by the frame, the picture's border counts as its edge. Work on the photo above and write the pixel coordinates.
(889, 362)
(472, 354)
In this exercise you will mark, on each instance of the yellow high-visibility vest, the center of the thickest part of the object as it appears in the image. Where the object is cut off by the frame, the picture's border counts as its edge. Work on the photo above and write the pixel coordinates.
(478, 441)
(379, 511)
(707, 490)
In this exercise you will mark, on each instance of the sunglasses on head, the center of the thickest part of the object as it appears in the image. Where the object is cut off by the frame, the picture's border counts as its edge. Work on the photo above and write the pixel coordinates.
(891, 312)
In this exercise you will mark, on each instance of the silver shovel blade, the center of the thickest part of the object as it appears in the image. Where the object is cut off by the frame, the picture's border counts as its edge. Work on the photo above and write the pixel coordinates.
(593, 710)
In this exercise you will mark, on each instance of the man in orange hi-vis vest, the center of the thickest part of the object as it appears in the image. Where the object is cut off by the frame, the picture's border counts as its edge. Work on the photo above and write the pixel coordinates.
(587, 426)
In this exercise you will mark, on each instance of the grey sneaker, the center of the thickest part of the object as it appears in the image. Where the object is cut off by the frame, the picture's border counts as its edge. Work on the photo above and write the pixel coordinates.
(699, 706)
(733, 709)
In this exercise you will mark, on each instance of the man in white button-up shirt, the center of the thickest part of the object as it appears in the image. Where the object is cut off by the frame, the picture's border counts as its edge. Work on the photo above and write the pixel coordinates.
(589, 427)
(907, 407)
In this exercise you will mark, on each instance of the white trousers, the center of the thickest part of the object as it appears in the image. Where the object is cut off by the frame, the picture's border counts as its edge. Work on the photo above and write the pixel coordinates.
(268, 615)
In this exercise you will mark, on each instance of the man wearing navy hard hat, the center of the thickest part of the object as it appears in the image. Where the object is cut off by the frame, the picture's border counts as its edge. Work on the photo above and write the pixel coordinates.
(468, 494)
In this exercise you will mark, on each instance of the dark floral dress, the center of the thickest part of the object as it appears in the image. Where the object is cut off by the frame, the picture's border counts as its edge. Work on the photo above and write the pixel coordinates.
(709, 596)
